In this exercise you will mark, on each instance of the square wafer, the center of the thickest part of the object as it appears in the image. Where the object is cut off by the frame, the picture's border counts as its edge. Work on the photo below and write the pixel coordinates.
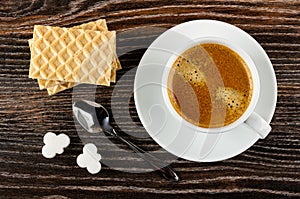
(72, 55)
(99, 25)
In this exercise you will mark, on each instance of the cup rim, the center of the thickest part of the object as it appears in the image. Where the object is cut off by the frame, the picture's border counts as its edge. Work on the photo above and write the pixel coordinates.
(242, 54)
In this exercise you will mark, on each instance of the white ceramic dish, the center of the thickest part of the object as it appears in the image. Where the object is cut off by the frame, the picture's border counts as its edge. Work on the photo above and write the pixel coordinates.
(161, 124)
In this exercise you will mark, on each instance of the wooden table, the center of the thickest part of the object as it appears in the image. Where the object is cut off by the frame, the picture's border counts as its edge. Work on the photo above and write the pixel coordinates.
(269, 169)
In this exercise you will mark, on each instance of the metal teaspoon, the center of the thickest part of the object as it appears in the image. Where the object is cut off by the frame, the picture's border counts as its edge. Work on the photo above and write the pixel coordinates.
(90, 115)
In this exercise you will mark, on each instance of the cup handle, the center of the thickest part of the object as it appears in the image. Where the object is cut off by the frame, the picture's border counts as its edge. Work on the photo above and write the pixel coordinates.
(259, 125)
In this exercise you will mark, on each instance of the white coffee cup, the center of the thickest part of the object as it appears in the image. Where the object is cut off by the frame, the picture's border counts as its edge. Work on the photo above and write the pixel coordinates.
(249, 117)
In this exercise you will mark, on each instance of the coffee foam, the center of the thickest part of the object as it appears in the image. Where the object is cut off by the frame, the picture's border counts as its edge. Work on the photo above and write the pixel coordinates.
(189, 72)
(235, 101)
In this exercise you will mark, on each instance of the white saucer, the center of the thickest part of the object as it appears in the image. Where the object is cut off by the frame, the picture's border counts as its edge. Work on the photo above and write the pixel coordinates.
(164, 128)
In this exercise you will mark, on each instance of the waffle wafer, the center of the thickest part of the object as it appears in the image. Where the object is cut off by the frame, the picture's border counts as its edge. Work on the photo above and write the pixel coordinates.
(72, 55)
(99, 25)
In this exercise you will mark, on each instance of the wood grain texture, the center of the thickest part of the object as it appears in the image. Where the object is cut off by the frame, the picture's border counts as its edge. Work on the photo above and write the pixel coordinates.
(269, 169)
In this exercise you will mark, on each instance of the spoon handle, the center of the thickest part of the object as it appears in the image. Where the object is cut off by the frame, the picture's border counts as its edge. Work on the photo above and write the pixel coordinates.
(166, 171)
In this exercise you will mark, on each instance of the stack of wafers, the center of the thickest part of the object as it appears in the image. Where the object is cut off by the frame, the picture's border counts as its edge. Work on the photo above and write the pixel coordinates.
(62, 58)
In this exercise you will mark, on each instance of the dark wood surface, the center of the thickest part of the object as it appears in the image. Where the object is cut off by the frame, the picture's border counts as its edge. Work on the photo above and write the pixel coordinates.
(269, 169)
